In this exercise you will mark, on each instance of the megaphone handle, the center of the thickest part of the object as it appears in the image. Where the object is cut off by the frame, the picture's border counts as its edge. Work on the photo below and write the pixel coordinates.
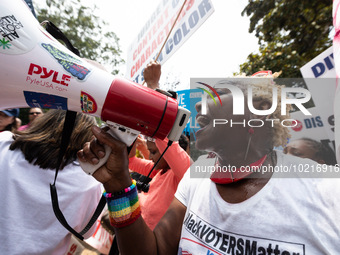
(89, 168)
(126, 135)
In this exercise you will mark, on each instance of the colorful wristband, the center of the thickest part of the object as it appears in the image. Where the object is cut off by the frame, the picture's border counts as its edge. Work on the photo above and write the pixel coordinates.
(121, 192)
(123, 206)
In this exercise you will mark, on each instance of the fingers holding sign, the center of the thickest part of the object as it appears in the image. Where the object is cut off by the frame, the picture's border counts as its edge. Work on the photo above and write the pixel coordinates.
(152, 74)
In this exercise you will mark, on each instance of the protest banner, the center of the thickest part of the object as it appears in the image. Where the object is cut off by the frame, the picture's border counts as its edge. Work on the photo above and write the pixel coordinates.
(319, 75)
(187, 99)
(322, 66)
(150, 39)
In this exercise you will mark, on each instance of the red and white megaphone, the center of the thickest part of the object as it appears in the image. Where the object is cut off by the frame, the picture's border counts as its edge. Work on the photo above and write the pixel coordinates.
(38, 71)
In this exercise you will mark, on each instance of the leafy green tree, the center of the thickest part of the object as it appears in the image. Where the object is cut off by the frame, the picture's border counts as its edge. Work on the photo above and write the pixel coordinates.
(290, 34)
(86, 31)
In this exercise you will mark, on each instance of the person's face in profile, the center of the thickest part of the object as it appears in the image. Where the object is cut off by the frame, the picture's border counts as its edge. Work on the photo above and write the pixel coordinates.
(302, 149)
(154, 156)
(216, 135)
(5, 120)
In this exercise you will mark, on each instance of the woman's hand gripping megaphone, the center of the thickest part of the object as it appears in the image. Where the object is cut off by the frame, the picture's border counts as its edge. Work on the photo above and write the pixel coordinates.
(114, 172)
(120, 133)
(128, 135)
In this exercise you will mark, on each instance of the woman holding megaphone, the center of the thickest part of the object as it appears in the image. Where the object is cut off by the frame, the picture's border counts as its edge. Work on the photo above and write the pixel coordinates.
(248, 203)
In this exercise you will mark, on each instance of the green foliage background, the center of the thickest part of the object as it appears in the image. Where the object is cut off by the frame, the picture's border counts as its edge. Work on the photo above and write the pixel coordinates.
(86, 31)
(290, 33)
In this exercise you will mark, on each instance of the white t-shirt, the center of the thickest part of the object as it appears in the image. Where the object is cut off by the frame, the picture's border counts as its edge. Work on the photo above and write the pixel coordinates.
(27, 221)
(287, 216)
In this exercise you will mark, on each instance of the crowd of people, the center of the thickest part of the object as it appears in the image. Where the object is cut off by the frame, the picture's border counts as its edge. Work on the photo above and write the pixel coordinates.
(187, 210)
(229, 212)
(10, 121)
(242, 196)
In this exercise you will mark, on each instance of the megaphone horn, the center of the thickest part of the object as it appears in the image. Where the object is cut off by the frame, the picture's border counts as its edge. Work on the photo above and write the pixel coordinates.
(38, 71)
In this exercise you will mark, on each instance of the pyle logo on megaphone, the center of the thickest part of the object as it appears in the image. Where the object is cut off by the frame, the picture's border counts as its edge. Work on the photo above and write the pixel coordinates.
(46, 73)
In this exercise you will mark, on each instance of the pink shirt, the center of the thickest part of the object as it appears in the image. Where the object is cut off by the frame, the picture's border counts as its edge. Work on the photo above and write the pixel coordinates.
(163, 185)
(23, 127)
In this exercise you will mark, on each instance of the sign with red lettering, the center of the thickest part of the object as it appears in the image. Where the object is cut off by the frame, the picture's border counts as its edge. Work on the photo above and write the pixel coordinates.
(150, 39)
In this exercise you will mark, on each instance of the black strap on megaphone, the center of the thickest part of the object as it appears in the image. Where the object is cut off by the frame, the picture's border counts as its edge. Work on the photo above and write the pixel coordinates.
(65, 140)
(67, 131)
(59, 35)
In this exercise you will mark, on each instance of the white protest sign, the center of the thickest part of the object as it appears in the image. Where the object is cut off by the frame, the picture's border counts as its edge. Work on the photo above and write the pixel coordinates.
(319, 75)
(322, 66)
(153, 34)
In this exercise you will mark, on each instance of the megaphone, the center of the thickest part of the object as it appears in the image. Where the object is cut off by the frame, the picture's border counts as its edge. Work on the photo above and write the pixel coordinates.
(38, 71)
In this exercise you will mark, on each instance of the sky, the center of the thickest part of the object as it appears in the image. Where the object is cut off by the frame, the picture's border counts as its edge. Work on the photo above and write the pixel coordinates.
(216, 49)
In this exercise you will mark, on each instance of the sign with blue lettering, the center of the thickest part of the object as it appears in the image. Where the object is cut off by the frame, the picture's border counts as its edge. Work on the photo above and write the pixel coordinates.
(150, 39)
(183, 101)
(322, 66)
(320, 78)
(188, 99)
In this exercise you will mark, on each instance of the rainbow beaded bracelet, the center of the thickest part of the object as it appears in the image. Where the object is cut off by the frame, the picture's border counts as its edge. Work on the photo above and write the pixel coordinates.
(123, 206)
(109, 195)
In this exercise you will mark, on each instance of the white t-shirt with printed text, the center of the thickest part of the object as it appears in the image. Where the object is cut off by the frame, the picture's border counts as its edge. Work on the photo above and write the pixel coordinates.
(287, 216)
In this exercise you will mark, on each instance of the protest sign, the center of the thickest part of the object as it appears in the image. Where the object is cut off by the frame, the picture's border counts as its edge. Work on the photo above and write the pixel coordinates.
(153, 34)
(187, 99)
(319, 75)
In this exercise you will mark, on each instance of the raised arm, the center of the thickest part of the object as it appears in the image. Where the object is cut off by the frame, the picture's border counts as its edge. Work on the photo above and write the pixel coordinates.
(177, 158)
(135, 237)
(152, 74)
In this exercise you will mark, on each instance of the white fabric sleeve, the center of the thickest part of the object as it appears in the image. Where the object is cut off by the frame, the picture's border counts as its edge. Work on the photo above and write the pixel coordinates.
(183, 189)
(6, 136)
